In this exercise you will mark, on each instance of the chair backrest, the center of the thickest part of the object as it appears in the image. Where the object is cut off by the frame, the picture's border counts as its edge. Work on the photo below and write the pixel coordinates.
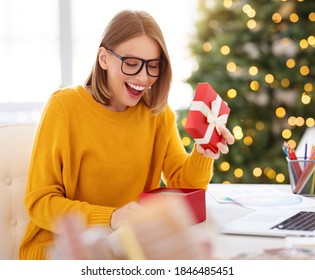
(16, 141)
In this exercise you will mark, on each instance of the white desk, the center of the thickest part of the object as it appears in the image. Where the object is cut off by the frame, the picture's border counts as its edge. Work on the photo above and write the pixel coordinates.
(229, 246)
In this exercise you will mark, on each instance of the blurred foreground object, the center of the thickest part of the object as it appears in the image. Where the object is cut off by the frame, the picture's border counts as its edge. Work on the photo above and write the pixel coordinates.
(280, 254)
(163, 229)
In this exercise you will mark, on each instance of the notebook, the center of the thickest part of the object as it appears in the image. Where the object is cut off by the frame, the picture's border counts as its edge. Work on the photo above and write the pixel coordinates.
(276, 222)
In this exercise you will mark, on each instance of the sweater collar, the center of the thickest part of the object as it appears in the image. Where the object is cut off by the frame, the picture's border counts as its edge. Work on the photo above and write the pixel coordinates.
(105, 112)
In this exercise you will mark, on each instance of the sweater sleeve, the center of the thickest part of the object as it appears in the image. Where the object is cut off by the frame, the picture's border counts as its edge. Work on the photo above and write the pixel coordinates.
(181, 169)
(49, 195)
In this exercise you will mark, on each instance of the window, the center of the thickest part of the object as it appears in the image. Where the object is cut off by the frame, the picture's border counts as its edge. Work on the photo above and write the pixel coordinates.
(37, 57)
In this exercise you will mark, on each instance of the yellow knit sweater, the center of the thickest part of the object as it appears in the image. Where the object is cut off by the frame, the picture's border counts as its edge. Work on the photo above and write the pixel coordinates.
(90, 160)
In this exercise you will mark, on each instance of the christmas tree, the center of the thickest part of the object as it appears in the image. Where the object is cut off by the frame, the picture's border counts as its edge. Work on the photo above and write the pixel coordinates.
(259, 56)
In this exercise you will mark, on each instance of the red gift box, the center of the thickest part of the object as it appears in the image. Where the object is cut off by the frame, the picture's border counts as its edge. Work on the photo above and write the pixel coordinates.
(194, 197)
(207, 113)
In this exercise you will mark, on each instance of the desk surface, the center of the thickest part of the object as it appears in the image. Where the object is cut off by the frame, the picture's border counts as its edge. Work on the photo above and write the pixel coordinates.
(229, 246)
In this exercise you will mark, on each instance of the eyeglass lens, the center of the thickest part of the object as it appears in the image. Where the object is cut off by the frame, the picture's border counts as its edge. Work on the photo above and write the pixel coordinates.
(132, 66)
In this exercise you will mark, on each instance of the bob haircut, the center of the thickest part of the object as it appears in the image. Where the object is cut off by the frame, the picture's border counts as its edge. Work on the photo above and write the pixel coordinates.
(124, 26)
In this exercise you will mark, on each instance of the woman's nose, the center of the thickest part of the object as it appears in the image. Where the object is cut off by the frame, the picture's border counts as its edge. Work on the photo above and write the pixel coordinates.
(143, 75)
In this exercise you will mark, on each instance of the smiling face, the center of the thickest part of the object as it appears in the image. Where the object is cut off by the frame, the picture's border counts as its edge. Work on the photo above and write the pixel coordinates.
(127, 90)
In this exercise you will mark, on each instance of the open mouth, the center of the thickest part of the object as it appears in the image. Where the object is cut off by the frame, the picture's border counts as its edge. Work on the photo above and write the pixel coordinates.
(134, 90)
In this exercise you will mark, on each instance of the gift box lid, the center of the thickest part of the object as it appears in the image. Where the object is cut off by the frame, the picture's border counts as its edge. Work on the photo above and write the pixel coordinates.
(180, 191)
(194, 197)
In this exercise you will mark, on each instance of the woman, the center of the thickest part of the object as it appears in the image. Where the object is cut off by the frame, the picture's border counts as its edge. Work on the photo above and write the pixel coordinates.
(100, 145)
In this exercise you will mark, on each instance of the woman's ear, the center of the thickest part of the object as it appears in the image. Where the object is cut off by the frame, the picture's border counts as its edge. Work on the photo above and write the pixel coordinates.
(102, 58)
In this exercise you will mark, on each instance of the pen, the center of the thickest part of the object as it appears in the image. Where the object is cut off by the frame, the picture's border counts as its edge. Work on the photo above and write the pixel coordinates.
(305, 154)
(312, 157)
(294, 163)
(292, 154)
(285, 150)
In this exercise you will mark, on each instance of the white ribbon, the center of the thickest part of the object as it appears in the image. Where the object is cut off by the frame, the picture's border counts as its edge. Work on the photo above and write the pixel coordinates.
(213, 118)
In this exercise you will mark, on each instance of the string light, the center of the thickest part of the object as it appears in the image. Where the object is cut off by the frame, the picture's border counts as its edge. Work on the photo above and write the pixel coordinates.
(260, 126)
(247, 9)
(227, 3)
(269, 78)
(225, 50)
(310, 122)
(237, 132)
(280, 178)
(294, 18)
(290, 63)
(257, 172)
(248, 140)
(270, 173)
(186, 141)
(232, 93)
(304, 70)
(251, 24)
(308, 87)
(251, 13)
(306, 98)
(311, 40)
(280, 112)
(296, 121)
(286, 134)
(231, 67)
(285, 82)
(292, 121)
(299, 121)
(238, 172)
(292, 143)
(253, 70)
(224, 166)
(254, 85)
(226, 182)
(207, 47)
(303, 44)
(184, 121)
(276, 17)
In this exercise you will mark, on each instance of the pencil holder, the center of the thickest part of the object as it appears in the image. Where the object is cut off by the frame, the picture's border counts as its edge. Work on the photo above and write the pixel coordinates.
(302, 176)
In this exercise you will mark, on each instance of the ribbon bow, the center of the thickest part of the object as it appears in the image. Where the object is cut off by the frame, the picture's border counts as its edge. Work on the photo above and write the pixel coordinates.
(213, 118)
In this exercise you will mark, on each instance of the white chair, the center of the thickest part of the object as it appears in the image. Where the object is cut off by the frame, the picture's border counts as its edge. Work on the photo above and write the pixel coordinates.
(16, 142)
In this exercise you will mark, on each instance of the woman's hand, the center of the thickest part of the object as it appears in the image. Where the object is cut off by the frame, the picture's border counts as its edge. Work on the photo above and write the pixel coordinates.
(227, 139)
(121, 215)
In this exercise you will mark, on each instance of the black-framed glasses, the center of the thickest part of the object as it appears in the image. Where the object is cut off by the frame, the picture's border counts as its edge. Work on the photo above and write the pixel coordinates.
(132, 65)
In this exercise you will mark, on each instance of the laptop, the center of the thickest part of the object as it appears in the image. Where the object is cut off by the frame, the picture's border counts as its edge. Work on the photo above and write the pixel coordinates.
(275, 222)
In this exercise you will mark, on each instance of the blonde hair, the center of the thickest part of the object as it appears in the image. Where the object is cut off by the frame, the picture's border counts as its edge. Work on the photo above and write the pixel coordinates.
(124, 26)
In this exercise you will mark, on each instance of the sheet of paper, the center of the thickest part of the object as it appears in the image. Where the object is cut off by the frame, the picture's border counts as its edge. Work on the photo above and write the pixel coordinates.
(259, 198)
(224, 194)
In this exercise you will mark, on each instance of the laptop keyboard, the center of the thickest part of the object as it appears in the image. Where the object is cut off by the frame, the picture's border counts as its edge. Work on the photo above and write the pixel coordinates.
(304, 220)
